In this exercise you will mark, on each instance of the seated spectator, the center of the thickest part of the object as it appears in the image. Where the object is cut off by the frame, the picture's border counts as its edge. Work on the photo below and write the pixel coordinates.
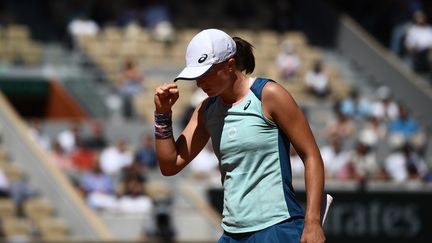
(403, 163)
(395, 163)
(373, 131)
(133, 200)
(114, 158)
(317, 81)
(83, 158)
(61, 159)
(404, 124)
(205, 165)
(342, 127)
(197, 97)
(334, 158)
(69, 137)
(36, 134)
(355, 106)
(287, 61)
(418, 42)
(98, 188)
(130, 85)
(21, 190)
(428, 176)
(82, 26)
(4, 185)
(157, 19)
(96, 140)
(133, 171)
(384, 108)
(145, 155)
(363, 164)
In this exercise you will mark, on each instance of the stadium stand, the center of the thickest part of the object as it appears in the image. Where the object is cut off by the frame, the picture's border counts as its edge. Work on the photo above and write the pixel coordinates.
(178, 203)
(17, 46)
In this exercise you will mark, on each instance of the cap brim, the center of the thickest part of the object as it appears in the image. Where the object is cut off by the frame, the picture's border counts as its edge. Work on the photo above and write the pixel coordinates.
(192, 73)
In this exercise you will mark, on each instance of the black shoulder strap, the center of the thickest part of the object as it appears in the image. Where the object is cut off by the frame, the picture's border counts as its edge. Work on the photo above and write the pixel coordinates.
(258, 86)
(210, 101)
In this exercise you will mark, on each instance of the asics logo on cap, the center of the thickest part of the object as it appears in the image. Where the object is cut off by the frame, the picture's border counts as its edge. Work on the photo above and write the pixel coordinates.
(202, 58)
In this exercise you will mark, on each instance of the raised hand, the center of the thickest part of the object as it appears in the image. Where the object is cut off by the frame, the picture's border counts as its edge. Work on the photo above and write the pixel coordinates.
(165, 97)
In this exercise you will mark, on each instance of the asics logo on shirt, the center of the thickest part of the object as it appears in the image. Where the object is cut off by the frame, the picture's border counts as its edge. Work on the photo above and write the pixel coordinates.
(202, 58)
(247, 105)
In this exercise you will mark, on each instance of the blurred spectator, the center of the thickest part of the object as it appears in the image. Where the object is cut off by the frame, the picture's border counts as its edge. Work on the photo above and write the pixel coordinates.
(363, 164)
(4, 184)
(428, 176)
(287, 61)
(373, 131)
(114, 158)
(130, 85)
(157, 19)
(96, 140)
(197, 97)
(98, 188)
(133, 200)
(133, 171)
(402, 21)
(395, 163)
(69, 137)
(82, 26)
(418, 42)
(35, 132)
(21, 190)
(114, 103)
(334, 158)
(317, 81)
(355, 106)
(164, 231)
(145, 155)
(205, 166)
(384, 108)
(404, 164)
(419, 142)
(404, 124)
(83, 158)
(342, 127)
(60, 158)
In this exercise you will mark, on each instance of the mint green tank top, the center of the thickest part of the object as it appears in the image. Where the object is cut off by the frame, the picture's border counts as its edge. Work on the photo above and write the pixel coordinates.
(254, 162)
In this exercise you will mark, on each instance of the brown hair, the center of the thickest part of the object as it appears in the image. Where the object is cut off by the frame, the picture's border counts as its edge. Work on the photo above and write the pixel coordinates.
(245, 59)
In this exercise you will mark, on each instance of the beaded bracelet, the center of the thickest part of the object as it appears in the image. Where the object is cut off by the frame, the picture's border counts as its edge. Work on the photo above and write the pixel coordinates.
(163, 125)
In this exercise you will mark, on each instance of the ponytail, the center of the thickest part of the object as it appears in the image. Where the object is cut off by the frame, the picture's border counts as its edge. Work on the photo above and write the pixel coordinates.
(245, 59)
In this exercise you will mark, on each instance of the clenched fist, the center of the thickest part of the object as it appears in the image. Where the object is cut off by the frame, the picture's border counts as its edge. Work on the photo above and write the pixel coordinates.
(165, 97)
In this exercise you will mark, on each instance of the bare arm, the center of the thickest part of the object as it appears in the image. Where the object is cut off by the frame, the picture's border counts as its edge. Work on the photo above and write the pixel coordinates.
(279, 106)
(173, 155)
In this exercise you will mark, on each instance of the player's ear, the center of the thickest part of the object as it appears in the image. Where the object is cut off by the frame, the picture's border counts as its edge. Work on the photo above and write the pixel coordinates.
(231, 64)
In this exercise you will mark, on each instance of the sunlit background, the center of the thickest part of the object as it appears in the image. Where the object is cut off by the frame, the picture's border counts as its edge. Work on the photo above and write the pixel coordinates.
(77, 77)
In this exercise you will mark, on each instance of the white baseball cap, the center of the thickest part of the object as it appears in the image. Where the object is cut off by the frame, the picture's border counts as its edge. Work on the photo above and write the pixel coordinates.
(208, 47)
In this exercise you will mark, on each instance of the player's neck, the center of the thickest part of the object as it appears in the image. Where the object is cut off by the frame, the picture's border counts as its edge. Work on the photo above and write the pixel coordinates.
(237, 91)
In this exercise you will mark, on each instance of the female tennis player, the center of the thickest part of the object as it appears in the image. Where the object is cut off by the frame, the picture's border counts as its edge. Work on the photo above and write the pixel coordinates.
(252, 123)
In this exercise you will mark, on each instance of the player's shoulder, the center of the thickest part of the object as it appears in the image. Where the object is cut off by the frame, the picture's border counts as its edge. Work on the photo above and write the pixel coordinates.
(273, 88)
(275, 95)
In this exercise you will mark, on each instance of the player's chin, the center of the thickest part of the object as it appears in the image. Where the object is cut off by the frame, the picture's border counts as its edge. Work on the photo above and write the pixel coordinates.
(209, 92)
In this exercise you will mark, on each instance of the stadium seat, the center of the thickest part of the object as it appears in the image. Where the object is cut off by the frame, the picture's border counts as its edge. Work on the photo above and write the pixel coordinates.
(13, 172)
(17, 32)
(7, 208)
(37, 209)
(16, 227)
(53, 229)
